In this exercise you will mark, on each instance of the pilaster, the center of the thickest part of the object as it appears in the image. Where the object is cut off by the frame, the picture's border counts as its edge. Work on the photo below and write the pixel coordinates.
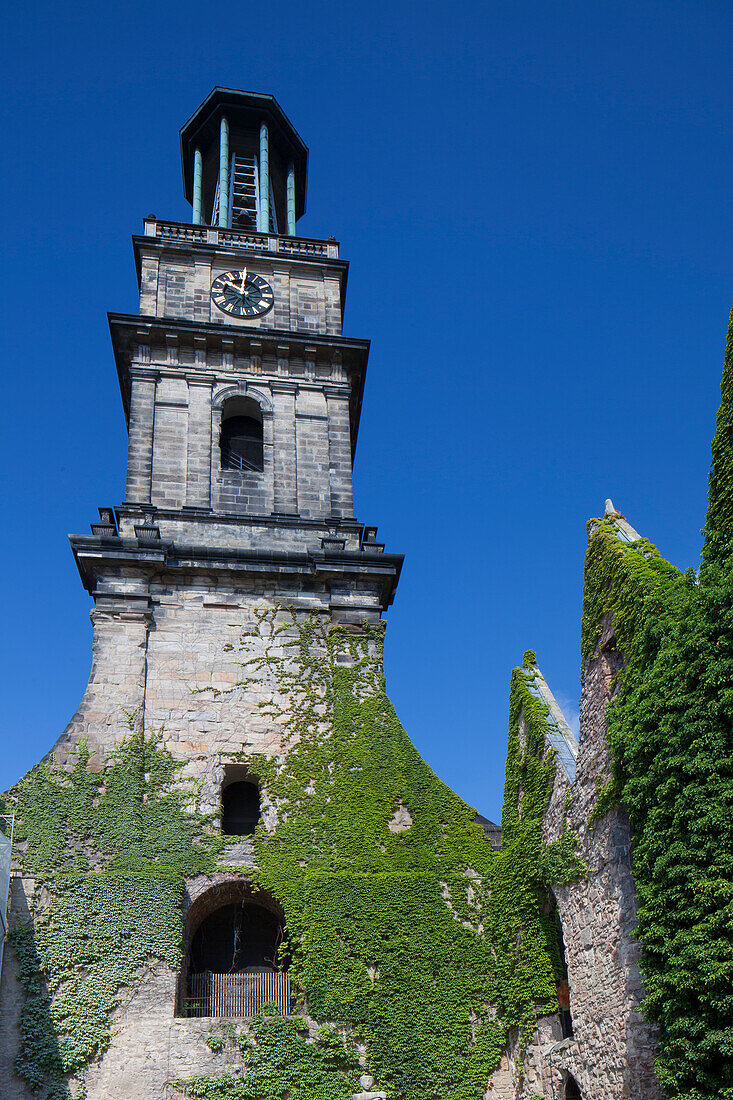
(140, 446)
(201, 288)
(121, 622)
(339, 451)
(332, 302)
(149, 285)
(281, 280)
(198, 466)
(284, 460)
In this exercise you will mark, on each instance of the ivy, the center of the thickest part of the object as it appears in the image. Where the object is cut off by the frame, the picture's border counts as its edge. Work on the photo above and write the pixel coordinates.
(406, 931)
(670, 730)
(130, 815)
(386, 926)
(87, 945)
(529, 962)
(111, 848)
(718, 544)
(278, 1059)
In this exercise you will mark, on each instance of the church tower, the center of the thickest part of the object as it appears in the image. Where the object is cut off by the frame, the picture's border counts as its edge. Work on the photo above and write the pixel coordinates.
(235, 874)
(242, 399)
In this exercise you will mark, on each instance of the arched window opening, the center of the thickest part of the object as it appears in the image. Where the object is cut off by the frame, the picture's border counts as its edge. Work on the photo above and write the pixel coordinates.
(241, 436)
(240, 808)
(235, 962)
(240, 938)
(563, 988)
(557, 946)
(572, 1092)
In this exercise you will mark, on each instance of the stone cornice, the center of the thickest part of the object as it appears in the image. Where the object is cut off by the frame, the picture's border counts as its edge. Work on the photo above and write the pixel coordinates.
(273, 339)
(134, 508)
(96, 555)
(130, 332)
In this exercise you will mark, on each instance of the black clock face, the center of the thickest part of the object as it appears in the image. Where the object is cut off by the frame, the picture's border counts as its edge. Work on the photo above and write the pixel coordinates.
(242, 294)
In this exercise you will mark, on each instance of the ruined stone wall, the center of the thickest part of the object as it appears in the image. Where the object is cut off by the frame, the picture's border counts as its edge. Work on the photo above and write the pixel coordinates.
(151, 1046)
(612, 1049)
(196, 683)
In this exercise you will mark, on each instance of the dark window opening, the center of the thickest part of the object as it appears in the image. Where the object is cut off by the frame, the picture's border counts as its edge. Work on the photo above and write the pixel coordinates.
(572, 1092)
(241, 938)
(561, 967)
(566, 1023)
(236, 963)
(241, 444)
(563, 988)
(240, 808)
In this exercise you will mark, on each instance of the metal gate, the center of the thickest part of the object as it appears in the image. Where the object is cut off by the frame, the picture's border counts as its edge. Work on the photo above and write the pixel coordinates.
(227, 995)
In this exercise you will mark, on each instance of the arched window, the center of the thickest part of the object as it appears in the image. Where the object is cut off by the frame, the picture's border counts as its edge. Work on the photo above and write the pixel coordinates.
(235, 960)
(241, 436)
(240, 938)
(240, 808)
(572, 1092)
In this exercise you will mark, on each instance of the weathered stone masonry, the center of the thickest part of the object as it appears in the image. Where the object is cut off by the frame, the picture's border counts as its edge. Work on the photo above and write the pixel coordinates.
(611, 1051)
(180, 568)
(196, 554)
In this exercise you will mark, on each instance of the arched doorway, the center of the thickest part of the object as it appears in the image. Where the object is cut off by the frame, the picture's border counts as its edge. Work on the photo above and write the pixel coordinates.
(242, 937)
(572, 1090)
(235, 960)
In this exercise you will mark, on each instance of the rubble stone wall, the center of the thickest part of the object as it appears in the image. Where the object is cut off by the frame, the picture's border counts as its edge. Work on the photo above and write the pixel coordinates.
(151, 1046)
(611, 1052)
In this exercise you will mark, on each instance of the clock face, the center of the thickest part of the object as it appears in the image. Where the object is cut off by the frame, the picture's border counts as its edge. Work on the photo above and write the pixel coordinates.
(242, 294)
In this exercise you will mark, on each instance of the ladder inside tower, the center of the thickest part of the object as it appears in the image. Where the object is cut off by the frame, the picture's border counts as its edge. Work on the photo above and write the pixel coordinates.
(244, 192)
(244, 196)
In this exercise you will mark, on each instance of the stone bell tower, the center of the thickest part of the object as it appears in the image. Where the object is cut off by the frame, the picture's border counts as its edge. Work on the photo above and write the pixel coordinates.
(242, 399)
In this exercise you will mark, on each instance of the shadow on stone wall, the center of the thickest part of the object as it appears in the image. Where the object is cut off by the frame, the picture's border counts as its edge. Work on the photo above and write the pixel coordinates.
(30, 1054)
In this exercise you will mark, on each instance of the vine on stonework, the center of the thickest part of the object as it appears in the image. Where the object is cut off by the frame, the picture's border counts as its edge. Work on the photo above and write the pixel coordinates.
(386, 925)
(405, 929)
(90, 941)
(279, 1059)
(404, 926)
(670, 730)
(109, 849)
(625, 583)
(529, 962)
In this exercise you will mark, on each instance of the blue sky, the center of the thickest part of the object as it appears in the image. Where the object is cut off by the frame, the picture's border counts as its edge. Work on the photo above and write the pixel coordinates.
(535, 200)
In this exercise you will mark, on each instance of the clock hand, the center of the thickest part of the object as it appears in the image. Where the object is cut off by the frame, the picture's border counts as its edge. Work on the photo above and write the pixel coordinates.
(244, 280)
(233, 283)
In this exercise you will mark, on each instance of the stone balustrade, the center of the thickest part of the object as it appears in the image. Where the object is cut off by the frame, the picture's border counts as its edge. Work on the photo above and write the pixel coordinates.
(188, 234)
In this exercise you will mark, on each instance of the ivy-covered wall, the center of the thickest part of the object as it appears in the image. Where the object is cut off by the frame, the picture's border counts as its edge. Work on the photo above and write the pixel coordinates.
(416, 950)
(527, 866)
(670, 732)
(402, 921)
(670, 729)
(106, 853)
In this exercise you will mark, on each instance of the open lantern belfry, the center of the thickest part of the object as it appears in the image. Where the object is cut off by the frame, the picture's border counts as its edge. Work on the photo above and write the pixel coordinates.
(244, 165)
